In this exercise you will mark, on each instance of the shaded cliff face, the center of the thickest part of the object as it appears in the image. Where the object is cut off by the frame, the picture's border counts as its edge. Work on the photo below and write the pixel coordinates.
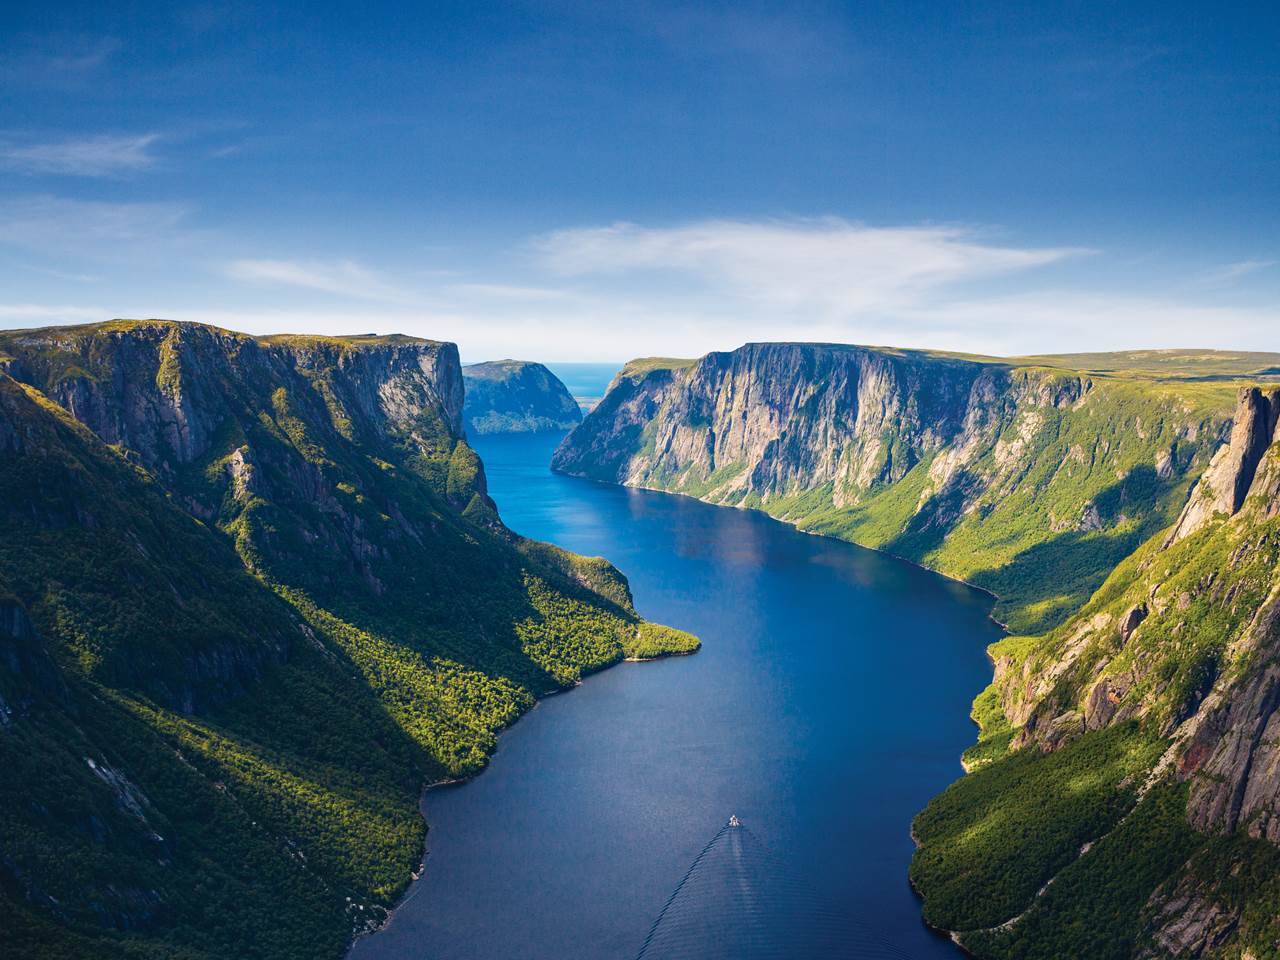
(516, 396)
(169, 392)
(252, 593)
(1030, 481)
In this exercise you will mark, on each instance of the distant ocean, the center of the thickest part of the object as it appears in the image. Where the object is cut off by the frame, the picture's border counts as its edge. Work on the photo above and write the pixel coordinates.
(586, 381)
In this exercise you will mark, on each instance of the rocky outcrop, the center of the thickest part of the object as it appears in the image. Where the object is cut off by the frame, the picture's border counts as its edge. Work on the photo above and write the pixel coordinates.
(163, 390)
(1185, 922)
(516, 396)
(1229, 479)
(1232, 744)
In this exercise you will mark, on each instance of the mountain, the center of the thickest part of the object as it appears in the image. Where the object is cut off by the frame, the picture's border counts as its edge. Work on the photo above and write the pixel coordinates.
(253, 593)
(516, 396)
(1122, 798)
(1032, 480)
(1136, 746)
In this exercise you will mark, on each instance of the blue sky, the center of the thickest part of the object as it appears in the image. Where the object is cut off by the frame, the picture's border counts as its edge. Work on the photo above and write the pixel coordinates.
(564, 180)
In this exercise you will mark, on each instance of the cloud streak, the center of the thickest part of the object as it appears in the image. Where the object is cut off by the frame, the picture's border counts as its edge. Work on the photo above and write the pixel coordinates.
(100, 156)
(93, 228)
(1231, 272)
(833, 266)
(345, 278)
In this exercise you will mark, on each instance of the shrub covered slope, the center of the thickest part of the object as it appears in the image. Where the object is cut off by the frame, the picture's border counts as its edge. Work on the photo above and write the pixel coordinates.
(252, 593)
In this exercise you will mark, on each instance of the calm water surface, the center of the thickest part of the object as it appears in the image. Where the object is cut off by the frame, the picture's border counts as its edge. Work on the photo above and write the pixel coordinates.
(828, 703)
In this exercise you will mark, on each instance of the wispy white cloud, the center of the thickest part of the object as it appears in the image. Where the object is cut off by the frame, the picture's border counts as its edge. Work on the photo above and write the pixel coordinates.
(98, 156)
(82, 55)
(830, 265)
(63, 226)
(512, 293)
(57, 61)
(345, 278)
(626, 290)
(1228, 273)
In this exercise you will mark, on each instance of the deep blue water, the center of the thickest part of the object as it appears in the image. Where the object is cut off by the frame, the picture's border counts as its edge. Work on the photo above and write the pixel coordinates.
(828, 704)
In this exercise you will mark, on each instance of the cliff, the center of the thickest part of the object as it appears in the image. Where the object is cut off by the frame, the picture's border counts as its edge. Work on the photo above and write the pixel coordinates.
(252, 593)
(1170, 672)
(516, 396)
(1122, 798)
(1030, 480)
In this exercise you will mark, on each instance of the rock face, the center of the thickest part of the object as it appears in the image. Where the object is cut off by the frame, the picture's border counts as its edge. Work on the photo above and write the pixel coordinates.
(1029, 480)
(771, 418)
(1230, 476)
(1231, 745)
(1187, 634)
(516, 396)
(1184, 638)
(163, 390)
(253, 592)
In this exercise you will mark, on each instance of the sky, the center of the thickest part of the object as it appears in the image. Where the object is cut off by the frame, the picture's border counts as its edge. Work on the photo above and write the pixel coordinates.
(599, 180)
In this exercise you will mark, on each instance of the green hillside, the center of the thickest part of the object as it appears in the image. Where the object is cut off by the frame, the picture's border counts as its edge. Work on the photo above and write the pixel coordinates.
(253, 593)
(1029, 477)
(1128, 755)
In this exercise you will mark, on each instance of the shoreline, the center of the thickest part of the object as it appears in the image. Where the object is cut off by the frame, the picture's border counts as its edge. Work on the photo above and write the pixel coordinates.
(799, 529)
(952, 935)
(417, 874)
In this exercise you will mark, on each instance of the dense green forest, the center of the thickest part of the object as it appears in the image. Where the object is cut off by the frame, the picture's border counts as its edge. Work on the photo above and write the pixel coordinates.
(253, 593)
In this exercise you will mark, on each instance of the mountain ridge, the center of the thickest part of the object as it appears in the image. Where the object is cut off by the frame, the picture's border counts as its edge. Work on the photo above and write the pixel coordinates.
(254, 594)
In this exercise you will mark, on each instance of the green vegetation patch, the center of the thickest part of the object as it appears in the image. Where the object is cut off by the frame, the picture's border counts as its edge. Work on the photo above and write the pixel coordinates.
(1094, 906)
(994, 838)
(654, 640)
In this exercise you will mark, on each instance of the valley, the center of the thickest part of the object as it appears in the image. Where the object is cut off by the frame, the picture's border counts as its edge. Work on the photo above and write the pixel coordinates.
(1123, 513)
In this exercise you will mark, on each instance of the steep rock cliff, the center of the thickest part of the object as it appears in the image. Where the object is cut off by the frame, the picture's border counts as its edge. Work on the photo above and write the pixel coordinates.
(1180, 649)
(1032, 481)
(1181, 633)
